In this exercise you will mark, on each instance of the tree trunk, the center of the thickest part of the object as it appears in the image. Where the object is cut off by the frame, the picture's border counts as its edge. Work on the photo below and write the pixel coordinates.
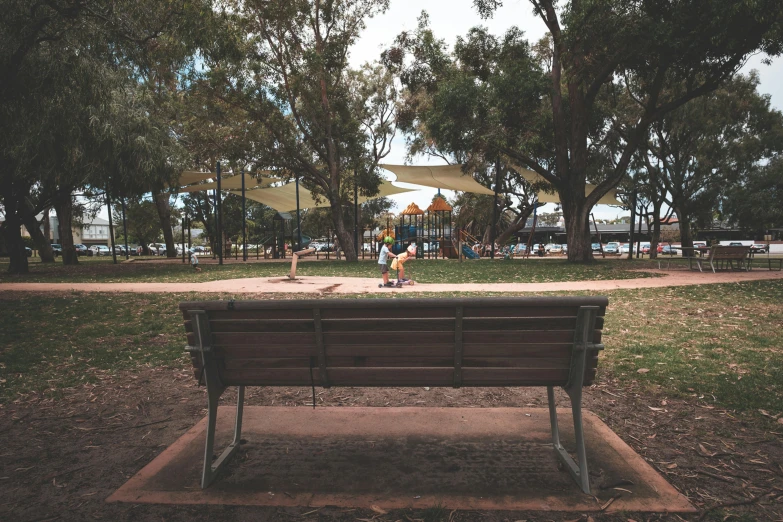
(63, 206)
(12, 227)
(686, 234)
(345, 236)
(577, 222)
(164, 213)
(12, 235)
(34, 228)
(655, 238)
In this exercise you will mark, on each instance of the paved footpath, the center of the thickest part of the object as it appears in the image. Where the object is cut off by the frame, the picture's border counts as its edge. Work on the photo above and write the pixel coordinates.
(358, 285)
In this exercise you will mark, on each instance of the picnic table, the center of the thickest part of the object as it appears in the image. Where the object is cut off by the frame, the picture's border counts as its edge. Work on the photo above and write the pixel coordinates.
(724, 256)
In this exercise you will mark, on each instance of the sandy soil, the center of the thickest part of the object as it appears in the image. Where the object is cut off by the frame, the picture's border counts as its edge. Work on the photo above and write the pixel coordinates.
(359, 285)
(62, 458)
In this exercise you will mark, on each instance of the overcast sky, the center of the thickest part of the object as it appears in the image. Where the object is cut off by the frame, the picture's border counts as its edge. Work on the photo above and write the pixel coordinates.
(452, 18)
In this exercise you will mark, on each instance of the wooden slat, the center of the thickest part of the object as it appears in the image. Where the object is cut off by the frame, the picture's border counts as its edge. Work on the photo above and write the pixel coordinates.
(391, 376)
(514, 377)
(274, 313)
(395, 362)
(520, 336)
(389, 304)
(249, 351)
(371, 326)
(233, 339)
(389, 338)
(401, 312)
(518, 350)
(516, 323)
(284, 350)
(262, 325)
(521, 311)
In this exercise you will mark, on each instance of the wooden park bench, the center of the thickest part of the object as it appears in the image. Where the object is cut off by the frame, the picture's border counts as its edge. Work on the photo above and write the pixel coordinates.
(721, 255)
(539, 341)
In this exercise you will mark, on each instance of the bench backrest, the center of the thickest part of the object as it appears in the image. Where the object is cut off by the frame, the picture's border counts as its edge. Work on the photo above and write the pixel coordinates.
(724, 252)
(397, 342)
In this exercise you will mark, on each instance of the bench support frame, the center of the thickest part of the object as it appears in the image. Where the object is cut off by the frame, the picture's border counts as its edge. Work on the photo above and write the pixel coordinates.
(215, 389)
(585, 323)
(583, 345)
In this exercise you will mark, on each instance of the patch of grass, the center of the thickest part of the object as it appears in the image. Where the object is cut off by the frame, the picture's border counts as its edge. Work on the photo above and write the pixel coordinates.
(56, 342)
(718, 343)
(722, 343)
(101, 270)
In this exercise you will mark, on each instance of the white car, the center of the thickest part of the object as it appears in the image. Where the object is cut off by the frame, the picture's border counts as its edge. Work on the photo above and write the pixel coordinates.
(156, 248)
(100, 250)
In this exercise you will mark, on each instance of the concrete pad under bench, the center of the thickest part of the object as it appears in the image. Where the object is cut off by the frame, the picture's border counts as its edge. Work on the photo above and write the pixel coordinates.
(460, 458)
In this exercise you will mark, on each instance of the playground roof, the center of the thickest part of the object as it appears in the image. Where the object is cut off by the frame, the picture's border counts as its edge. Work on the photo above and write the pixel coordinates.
(449, 177)
(412, 210)
(439, 204)
(610, 198)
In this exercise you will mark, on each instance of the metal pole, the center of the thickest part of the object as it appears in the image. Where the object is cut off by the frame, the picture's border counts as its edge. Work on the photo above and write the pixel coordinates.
(190, 238)
(183, 241)
(633, 223)
(214, 237)
(125, 229)
(219, 223)
(495, 207)
(298, 218)
(356, 213)
(244, 219)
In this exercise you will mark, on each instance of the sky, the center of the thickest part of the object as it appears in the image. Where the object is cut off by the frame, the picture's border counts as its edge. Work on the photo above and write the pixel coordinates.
(452, 18)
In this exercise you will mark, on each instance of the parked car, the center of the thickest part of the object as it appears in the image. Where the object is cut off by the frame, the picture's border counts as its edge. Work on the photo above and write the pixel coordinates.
(57, 249)
(157, 249)
(645, 248)
(100, 250)
(612, 248)
(81, 250)
(553, 248)
(669, 250)
(596, 247)
(29, 251)
(736, 243)
(758, 248)
(625, 248)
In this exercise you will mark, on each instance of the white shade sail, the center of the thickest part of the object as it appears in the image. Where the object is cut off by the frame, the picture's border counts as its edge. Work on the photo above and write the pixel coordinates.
(283, 198)
(448, 177)
(233, 183)
(610, 198)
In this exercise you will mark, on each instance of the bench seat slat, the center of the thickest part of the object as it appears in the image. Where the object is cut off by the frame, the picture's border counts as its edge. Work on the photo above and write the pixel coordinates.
(402, 362)
(403, 376)
(519, 337)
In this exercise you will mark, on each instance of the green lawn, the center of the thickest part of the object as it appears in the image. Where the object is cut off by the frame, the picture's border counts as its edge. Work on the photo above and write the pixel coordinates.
(101, 270)
(720, 343)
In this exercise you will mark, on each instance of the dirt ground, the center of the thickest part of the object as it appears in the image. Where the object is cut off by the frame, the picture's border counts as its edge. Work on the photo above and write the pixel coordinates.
(62, 458)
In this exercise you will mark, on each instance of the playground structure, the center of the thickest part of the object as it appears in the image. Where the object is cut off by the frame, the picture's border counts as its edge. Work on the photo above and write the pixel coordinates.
(439, 226)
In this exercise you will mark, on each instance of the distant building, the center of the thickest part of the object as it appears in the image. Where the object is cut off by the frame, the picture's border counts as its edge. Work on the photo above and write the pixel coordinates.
(93, 231)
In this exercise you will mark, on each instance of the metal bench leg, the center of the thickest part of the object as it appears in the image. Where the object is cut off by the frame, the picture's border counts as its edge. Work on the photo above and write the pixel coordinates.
(585, 324)
(578, 470)
(211, 470)
(215, 389)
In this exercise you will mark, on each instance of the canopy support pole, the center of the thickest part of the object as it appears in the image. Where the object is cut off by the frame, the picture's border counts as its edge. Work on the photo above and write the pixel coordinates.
(244, 218)
(219, 220)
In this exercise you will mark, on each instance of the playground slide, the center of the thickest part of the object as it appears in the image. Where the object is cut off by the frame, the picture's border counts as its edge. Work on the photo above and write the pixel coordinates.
(470, 254)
